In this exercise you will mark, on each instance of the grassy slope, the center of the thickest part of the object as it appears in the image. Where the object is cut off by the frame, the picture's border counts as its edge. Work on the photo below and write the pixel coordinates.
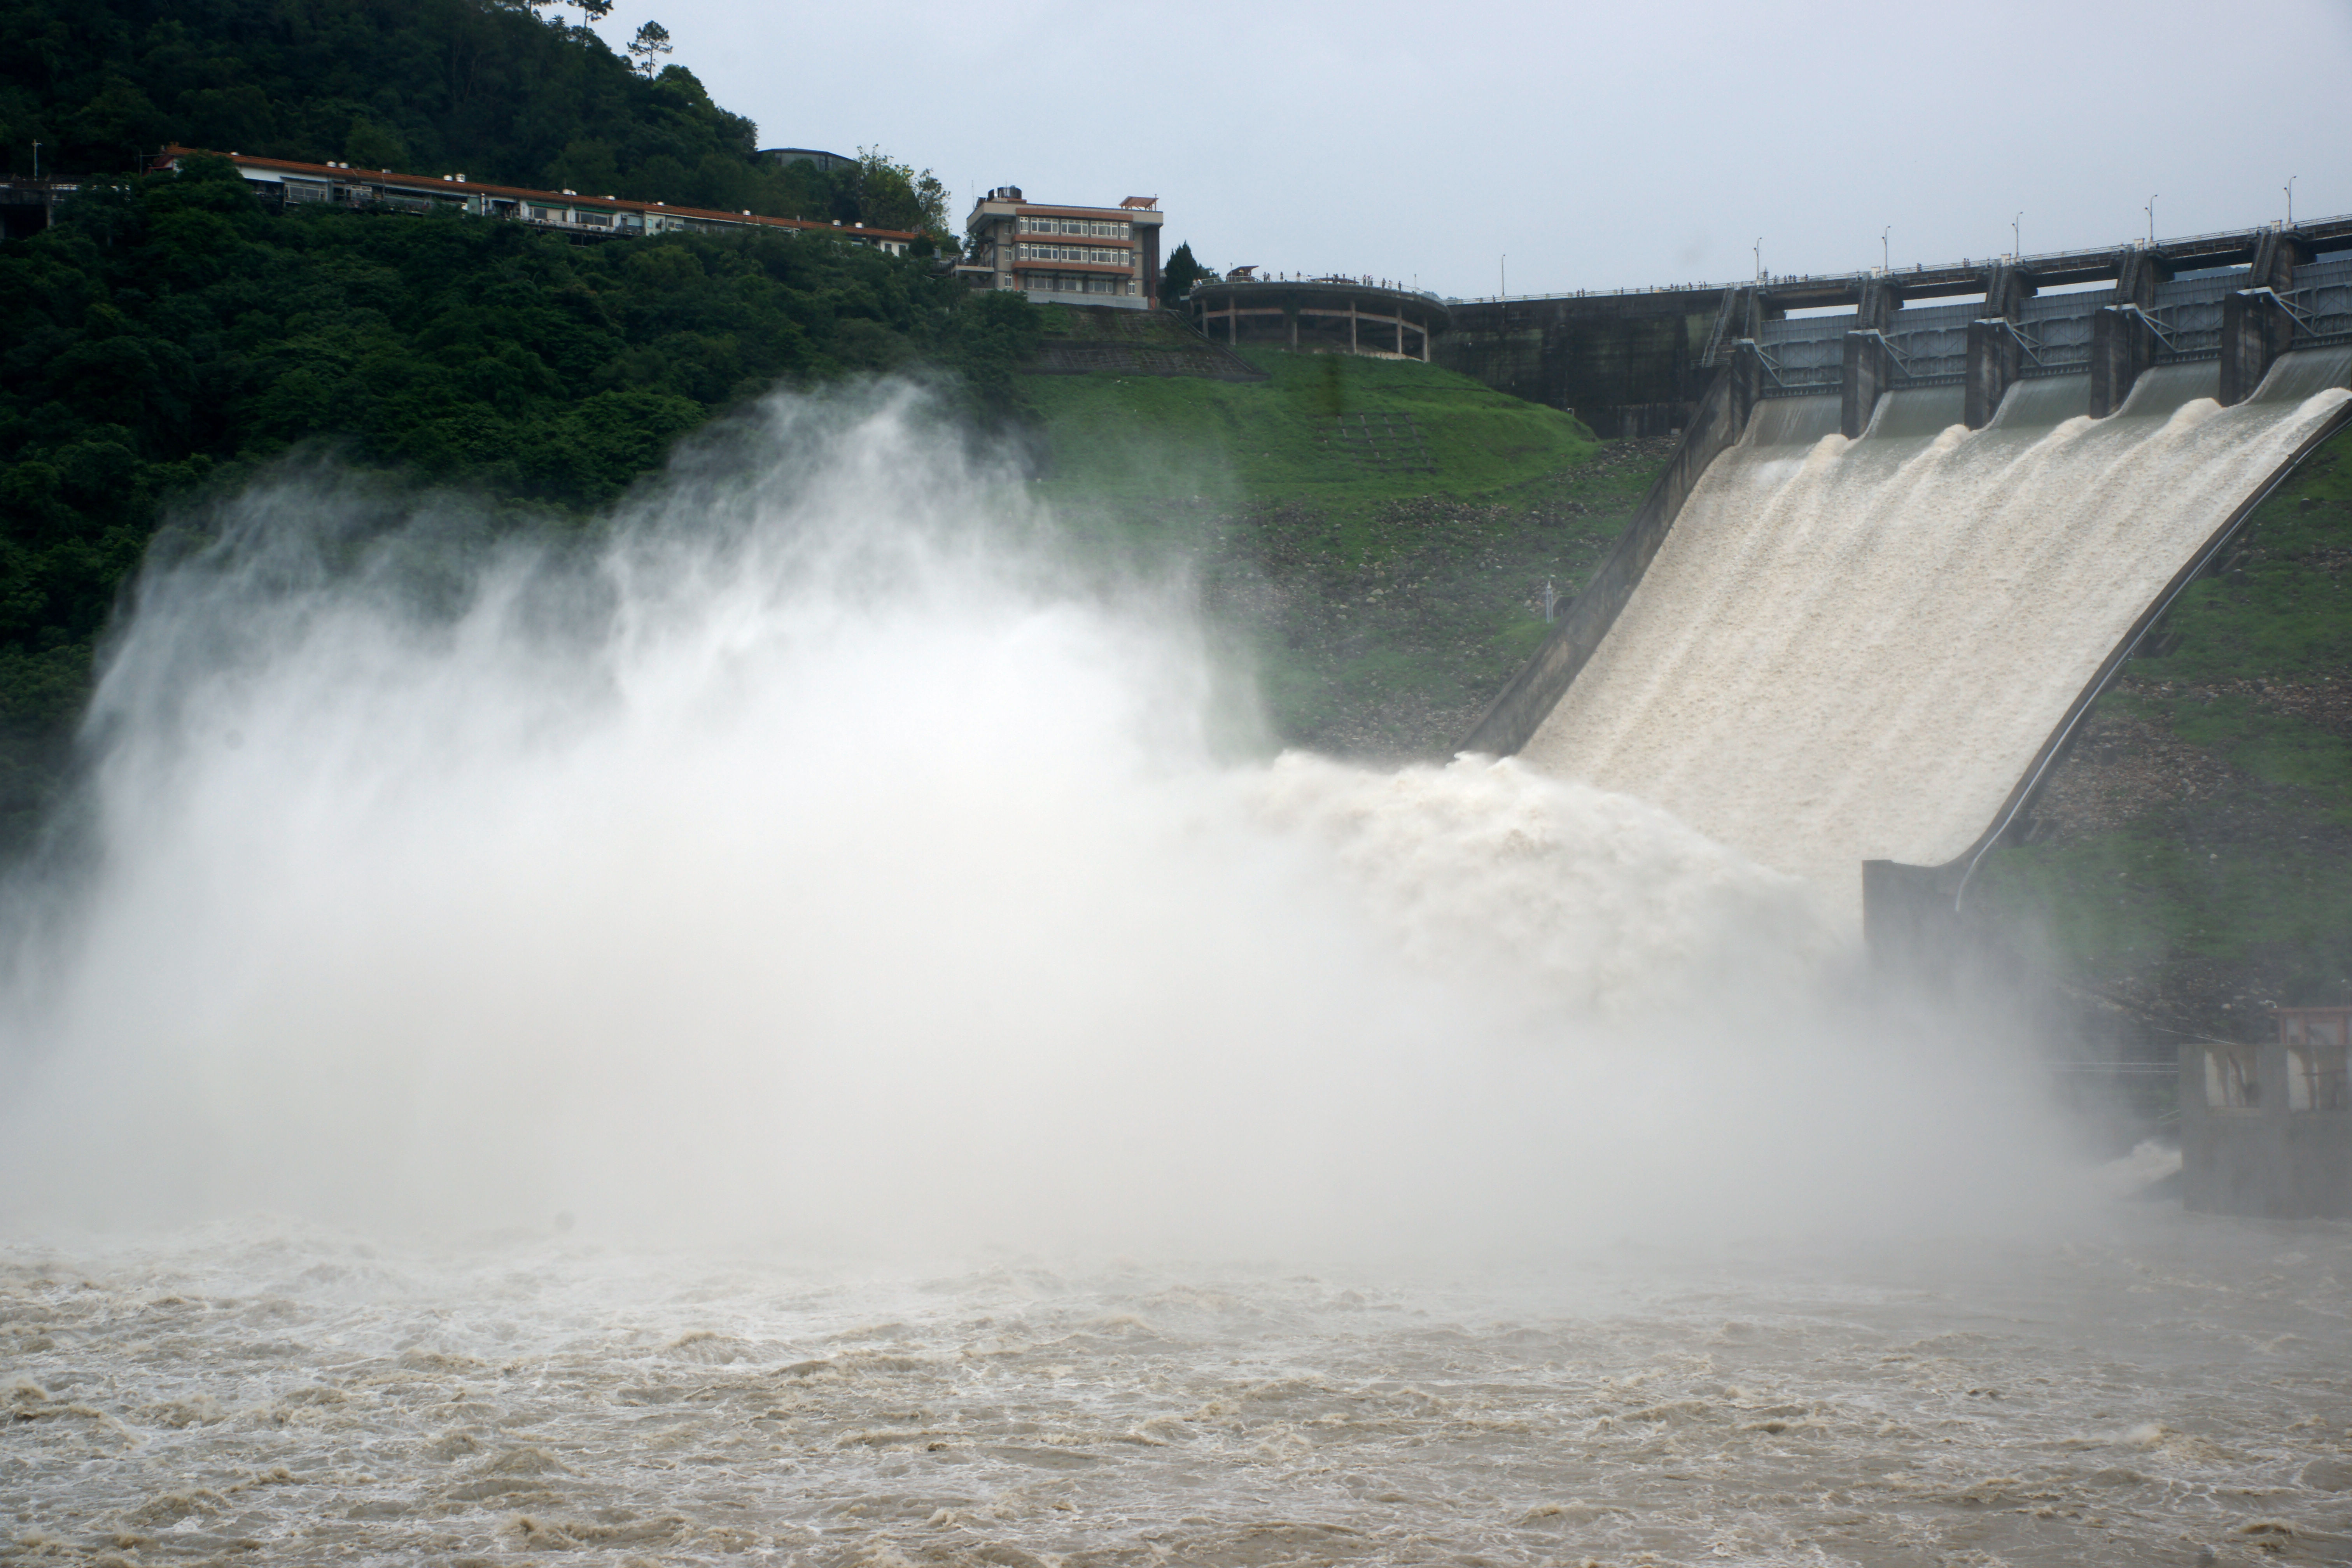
(1381, 610)
(2194, 857)
(1123, 438)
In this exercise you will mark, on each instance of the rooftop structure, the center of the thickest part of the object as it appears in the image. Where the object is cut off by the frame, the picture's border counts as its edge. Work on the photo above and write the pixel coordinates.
(1065, 255)
(290, 183)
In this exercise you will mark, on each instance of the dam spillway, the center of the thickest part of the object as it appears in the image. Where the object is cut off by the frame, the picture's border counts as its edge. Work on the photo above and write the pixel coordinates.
(1850, 650)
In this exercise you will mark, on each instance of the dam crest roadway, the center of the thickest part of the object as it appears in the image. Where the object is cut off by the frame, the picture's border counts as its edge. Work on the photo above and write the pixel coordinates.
(1636, 362)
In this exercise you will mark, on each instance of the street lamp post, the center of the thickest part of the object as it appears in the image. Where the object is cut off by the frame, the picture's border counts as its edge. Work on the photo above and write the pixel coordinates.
(2151, 220)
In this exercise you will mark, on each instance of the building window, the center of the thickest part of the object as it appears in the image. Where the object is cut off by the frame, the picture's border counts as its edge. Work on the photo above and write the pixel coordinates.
(2316, 1078)
(2318, 1048)
(1092, 255)
(1089, 229)
(2230, 1082)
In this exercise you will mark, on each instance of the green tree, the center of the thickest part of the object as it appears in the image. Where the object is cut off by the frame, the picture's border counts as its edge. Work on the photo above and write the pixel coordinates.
(891, 194)
(1180, 272)
(651, 43)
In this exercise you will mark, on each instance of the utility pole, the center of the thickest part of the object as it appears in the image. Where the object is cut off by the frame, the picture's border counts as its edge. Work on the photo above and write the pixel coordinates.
(37, 161)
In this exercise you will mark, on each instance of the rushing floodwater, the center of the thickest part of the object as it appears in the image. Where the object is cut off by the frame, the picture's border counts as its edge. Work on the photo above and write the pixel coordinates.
(2176, 1385)
(801, 1034)
(1850, 650)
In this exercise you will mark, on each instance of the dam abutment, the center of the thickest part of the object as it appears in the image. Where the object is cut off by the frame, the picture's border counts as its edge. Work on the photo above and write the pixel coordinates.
(1719, 423)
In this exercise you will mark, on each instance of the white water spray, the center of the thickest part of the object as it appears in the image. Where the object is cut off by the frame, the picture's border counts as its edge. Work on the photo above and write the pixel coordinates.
(821, 862)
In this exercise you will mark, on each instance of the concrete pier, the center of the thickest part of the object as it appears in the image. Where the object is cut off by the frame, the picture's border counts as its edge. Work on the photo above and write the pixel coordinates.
(1867, 375)
(2122, 335)
(2255, 330)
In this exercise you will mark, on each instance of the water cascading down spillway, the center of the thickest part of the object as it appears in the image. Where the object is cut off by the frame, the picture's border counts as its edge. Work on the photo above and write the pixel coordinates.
(1853, 651)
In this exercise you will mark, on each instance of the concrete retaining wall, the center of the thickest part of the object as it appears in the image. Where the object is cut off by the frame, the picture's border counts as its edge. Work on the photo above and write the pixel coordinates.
(1627, 364)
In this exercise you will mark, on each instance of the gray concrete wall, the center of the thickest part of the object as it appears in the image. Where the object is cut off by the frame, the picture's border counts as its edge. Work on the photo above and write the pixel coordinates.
(2262, 1161)
(1627, 364)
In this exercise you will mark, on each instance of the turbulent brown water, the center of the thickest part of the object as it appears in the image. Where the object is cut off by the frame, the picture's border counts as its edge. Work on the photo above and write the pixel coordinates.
(1001, 1116)
(2153, 1390)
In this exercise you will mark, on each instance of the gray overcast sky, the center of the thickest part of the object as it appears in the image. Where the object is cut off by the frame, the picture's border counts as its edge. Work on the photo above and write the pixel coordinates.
(1596, 146)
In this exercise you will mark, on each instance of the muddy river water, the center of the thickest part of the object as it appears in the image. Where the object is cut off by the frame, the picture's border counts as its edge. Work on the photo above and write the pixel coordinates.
(2156, 1388)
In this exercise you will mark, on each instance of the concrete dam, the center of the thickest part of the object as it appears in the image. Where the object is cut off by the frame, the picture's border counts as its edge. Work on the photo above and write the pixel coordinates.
(1900, 551)
(1635, 362)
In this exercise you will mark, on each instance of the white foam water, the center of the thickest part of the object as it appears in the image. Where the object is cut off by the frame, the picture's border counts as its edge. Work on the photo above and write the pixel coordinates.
(1851, 650)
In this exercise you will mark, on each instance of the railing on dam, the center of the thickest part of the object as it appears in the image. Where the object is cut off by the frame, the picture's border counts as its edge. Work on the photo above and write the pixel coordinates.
(1814, 290)
(1635, 361)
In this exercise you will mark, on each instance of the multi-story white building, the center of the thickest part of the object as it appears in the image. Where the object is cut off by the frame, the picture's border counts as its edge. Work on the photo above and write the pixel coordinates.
(1071, 256)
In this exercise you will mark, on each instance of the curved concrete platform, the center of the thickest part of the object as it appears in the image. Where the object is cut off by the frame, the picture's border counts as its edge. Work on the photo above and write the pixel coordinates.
(1318, 315)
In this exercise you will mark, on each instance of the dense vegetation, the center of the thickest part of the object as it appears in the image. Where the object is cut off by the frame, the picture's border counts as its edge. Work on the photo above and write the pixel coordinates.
(169, 334)
(2192, 860)
(1180, 273)
(486, 86)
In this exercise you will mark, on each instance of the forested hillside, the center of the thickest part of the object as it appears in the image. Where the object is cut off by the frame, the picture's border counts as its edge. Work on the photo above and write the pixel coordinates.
(168, 333)
(492, 88)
